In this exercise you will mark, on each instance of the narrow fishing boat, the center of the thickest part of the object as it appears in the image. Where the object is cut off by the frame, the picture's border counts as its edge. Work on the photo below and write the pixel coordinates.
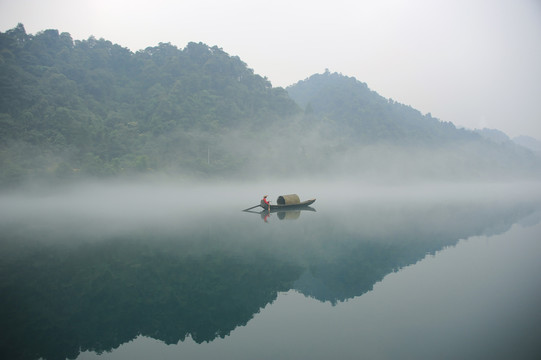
(290, 201)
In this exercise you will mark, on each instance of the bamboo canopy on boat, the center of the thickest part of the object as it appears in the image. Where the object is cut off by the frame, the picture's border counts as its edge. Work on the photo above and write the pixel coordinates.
(291, 199)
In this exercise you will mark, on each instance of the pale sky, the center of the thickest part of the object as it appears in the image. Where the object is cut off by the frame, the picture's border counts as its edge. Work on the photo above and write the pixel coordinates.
(476, 63)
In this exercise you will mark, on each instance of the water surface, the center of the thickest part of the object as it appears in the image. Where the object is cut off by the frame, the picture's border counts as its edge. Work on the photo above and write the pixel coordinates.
(113, 271)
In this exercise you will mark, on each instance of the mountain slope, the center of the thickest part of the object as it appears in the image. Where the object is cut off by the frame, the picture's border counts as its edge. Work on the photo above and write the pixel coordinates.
(529, 142)
(366, 115)
(94, 108)
(385, 139)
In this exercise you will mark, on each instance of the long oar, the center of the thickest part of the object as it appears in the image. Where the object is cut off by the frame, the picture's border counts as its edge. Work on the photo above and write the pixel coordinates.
(251, 208)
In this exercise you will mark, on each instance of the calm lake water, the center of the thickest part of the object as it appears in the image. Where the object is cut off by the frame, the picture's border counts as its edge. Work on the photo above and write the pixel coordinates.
(116, 271)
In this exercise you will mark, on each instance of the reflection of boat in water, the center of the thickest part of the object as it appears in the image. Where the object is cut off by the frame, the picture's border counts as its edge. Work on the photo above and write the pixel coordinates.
(289, 213)
(287, 202)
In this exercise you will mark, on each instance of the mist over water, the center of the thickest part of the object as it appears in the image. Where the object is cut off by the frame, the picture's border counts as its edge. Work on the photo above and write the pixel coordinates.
(138, 202)
(181, 263)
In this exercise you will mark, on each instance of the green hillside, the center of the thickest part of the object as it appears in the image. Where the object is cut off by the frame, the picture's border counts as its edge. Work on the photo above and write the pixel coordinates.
(381, 138)
(95, 108)
(356, 110)
(72, 109)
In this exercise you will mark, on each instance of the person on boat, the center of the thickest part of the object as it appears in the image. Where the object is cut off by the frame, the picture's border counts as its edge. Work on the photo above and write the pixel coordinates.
(267, 202)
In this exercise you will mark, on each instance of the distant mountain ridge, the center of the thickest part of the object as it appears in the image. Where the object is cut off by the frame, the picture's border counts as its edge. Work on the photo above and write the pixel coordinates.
(500, 137)
(529, 142)
(493, 135)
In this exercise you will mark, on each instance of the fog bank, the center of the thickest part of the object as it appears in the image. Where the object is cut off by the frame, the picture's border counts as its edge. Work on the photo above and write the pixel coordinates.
(107, 208)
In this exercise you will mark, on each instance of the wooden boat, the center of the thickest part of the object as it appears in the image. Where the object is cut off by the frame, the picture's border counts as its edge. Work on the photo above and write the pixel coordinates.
(285, 202)
(278, 207)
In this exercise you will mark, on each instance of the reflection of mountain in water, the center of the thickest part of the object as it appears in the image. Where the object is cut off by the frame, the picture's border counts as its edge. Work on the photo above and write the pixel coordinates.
(96, 297)
(351, 267)
(59, 299)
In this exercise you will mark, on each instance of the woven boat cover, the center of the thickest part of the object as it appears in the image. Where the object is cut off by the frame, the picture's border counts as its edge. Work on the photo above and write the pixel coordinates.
(290, 199)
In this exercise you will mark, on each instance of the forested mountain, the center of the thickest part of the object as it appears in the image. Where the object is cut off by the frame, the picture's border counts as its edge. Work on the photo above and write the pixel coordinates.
(354, 109)
(71, 109)
(96, 108)
(388, 139)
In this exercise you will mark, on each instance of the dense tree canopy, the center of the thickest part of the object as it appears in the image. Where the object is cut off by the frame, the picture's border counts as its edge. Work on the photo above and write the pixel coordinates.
(95, 107)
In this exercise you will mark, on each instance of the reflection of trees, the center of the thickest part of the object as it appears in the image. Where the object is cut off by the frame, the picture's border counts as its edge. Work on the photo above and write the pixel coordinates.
(57, 300)
(343, 264)
(360, 266)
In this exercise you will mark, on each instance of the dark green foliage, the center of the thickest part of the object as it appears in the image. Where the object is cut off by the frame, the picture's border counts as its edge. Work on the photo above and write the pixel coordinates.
(99, 109)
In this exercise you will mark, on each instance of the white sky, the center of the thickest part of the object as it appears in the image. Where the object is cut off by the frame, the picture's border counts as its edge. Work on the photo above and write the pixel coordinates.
(476, 63)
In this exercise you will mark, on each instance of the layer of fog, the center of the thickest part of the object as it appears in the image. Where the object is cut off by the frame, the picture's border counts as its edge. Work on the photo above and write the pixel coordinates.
(109, 208)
